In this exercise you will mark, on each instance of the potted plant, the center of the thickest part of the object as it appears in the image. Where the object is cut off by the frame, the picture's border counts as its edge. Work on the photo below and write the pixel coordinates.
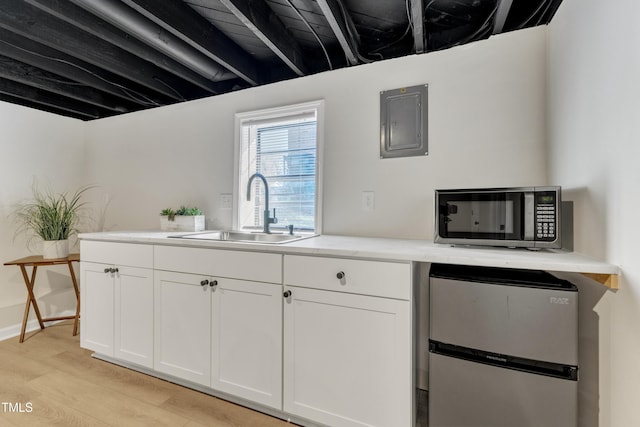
(52, 218)
(182, 219)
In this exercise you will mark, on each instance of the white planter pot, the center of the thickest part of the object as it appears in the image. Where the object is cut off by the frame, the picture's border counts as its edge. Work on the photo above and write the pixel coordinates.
(54, 249)
(182, 223)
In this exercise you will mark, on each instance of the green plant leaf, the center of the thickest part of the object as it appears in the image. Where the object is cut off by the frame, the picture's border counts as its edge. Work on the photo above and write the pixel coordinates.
(50, 216)
(168, 212)
(185, 211)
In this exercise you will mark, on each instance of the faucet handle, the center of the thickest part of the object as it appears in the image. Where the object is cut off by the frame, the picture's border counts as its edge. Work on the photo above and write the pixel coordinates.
(274, 220)
(290, 227)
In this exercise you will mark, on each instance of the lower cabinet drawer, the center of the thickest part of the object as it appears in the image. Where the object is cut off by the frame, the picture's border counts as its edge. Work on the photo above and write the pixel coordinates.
(376, 278)
(256, 266)
(131, 254)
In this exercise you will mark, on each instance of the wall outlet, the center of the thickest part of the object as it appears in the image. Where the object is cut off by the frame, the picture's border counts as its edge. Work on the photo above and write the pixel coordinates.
(226, 201)
(368, 201)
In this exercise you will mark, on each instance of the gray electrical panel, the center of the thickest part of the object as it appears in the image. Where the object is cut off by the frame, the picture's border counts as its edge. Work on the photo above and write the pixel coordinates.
(403, 122)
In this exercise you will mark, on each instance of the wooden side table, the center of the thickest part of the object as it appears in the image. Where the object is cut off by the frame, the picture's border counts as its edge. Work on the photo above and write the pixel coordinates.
(36, 261)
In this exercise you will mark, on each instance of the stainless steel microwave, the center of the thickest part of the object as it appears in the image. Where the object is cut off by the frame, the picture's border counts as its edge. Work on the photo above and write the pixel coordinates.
(527, 217)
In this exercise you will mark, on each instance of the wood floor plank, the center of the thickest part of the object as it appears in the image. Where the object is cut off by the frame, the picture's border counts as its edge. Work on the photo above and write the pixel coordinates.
(67, 387)
(210, 411)
(130, 383)
(48, 412)
(102, 403)
(19, 368)
(12, 393)
(44, 344)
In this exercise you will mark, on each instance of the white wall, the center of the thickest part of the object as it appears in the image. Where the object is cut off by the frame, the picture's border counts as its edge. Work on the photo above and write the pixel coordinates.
(594, 134)
(490, 104)
(47, 148)
(486, 128)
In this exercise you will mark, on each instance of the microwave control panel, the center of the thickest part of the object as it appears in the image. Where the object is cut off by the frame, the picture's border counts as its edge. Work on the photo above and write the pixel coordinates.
(546, 216)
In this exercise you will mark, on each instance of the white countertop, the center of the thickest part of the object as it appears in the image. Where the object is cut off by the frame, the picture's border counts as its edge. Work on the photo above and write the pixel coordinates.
(386, 249)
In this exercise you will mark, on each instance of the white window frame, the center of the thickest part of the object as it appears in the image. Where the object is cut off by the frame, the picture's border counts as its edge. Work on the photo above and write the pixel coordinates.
(270, 114)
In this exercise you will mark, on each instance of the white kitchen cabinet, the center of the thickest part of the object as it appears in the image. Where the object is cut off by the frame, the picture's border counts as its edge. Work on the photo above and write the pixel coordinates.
(182, 338)
(335, 348)
(96, 308)
(247, 340)
(134, 315)
(347, 356)
(219, 332)
(117, 301)
(227, 333)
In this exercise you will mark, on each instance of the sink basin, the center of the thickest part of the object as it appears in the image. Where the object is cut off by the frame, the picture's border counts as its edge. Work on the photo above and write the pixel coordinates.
(241, 236)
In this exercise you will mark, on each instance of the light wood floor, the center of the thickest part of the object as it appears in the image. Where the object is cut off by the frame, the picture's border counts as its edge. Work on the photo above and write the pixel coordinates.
(67, 387)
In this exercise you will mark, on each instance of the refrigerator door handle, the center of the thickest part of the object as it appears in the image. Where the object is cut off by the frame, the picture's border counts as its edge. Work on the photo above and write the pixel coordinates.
(539, 367)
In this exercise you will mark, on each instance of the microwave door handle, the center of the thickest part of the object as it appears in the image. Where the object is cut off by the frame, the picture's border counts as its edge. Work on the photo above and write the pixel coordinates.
(529, 216)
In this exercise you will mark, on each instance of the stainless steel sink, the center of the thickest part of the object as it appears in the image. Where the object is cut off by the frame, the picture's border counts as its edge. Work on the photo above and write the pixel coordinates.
(241, 236)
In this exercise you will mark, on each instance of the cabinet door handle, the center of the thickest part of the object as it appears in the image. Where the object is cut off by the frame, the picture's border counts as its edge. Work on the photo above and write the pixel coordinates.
(287, 294)
(115, 270)
(341, 275)
(205, 282)
(213, 283)
(107, 270)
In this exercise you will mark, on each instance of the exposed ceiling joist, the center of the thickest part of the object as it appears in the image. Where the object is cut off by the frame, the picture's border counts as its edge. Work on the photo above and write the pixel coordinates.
(83, 19)
(32, 97)
(30, 52)
(97, 58)
(504, 6)
(168, 52)
(32, 76)
(417, 25)
(258, 17)
(342, 26)
(51, 31)
(182, 21)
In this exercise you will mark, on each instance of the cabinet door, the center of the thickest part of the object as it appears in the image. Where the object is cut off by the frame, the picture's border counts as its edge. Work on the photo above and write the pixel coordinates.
(182, 326)
(96, 308)
(247, 340)
(347, 358)
(134, 315)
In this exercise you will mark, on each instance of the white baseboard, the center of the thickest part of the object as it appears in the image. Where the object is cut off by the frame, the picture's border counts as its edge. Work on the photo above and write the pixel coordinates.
(32, 325)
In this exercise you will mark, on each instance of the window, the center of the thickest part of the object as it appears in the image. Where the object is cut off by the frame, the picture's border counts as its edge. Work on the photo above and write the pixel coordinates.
(282, 144)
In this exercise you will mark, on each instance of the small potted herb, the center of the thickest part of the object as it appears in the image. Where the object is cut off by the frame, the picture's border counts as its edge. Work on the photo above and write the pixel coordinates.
(182, 219)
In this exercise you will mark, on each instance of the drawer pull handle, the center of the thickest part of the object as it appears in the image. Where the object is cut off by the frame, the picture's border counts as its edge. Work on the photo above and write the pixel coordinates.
(115, 270)
(286, 294)
(107, 270)
(213, 283)
(205, 282)
(340, 275)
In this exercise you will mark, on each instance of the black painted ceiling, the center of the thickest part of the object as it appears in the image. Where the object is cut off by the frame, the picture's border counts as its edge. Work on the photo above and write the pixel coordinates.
(97, 58)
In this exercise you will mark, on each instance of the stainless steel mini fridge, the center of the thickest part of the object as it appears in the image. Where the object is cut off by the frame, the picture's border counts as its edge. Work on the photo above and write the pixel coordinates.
(503, 348)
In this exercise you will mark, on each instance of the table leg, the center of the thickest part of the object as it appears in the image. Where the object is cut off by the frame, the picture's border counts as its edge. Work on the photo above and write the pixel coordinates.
(27, 306)
(75, 288)
(29, 282)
